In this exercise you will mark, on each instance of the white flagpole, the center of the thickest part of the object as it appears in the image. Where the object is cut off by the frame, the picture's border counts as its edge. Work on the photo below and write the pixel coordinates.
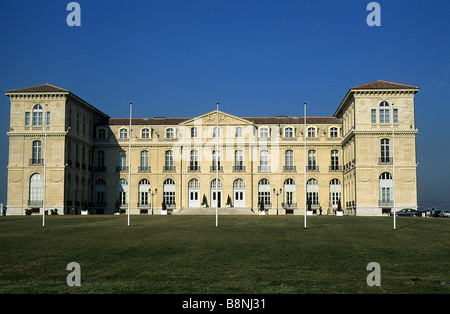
(129, 169)
(393, 164)
(306, 201)
(45, 164)
(217, 165)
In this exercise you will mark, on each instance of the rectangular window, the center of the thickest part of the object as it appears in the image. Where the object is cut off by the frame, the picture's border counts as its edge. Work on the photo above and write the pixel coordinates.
(314, 197)
(265, 198)
(239, 131)
(193, 132)
(47, 120)
(169, 161)
(27, 118)
(384, 115)
(123, 198)
(334, 160)
(144, 161)
(193, 163)
(169, 198)
(395, 115)
(312, 160)
(374, 115)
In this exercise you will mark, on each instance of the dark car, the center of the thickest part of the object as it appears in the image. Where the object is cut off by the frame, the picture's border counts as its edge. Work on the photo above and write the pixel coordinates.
(409, 212)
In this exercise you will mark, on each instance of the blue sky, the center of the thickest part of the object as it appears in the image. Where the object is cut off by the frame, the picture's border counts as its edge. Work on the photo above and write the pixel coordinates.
(255, 57)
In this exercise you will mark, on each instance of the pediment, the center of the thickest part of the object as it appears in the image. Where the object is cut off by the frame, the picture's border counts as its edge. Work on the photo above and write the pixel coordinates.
(210, 118)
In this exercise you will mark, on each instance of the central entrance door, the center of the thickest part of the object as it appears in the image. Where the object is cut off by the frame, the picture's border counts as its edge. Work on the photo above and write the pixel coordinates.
(239, 193)
(194, 193)
(216, 199)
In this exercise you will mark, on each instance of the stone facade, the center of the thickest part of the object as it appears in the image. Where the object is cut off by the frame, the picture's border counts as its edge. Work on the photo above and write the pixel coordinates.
(348, 158)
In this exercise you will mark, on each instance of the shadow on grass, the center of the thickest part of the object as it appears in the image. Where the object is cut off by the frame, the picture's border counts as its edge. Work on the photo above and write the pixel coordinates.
(409, 224)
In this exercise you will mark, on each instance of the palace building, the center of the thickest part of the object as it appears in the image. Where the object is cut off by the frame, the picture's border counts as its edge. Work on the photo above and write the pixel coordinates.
(69, 154)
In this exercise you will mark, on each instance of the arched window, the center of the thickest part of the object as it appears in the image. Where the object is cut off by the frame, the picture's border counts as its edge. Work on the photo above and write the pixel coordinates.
(100, 192)
(335, 191)
(264, 192)
(37, 115)
(239, 193)
(312, 191)
(144, 187)
(384, 112)
(35, 197)
(194, 193)
(289, 193)
(122, 190)
(169, 192)
(386, 191)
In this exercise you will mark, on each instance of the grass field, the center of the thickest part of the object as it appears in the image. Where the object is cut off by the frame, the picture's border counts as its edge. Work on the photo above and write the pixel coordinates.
(244, 254)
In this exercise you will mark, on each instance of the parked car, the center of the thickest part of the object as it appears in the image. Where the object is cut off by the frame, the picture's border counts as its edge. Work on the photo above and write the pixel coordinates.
(408, 212)
(445, 213)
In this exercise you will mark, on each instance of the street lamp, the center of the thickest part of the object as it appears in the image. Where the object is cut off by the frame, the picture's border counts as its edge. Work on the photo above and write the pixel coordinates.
(152, 193)
(277, 193)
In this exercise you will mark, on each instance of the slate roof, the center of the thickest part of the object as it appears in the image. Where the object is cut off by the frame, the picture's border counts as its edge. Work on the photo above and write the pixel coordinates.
(44, 88)
(255, 120)
(380, 84)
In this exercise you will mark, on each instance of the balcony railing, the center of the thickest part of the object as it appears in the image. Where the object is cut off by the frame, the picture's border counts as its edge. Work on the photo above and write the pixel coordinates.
(144, 169)
(312, 168)
(121, 168)
(99, 169)
(168, 168)
(289, 205)
(37, 161)
(35, 202)
(385, 160)
(264, 168)
(289, 168)
(239, 168)
(213, 168)
(192, 168)
(335, 168)
(385, 203)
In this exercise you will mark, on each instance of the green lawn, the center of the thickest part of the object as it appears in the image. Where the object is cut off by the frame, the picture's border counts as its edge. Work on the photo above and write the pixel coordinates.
(244, 254)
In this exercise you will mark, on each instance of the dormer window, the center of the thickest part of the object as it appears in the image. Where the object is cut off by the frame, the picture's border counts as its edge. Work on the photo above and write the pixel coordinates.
(145, 133)
(288, 132)
(264, 132)
(311, 132)
(101, 133)
(170, 133)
